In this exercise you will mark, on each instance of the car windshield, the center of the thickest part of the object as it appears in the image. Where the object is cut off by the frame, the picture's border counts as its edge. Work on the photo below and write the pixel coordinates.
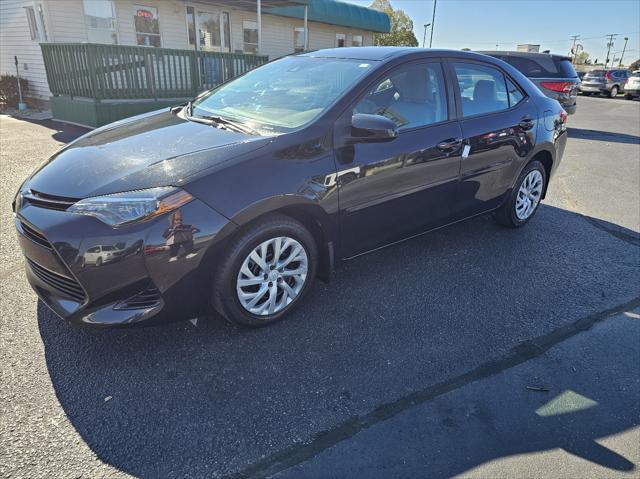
(285, 94)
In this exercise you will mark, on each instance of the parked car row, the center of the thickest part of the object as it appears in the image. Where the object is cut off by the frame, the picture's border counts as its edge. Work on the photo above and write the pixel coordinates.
(604, 82)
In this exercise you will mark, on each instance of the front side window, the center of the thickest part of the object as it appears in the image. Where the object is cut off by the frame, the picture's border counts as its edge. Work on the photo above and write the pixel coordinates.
(298, 39)
(100, 18)
(284, 94)
(341, 40)
(482, 89)
(412, 96)
(356, 41)
(250, 36)
(147, 25)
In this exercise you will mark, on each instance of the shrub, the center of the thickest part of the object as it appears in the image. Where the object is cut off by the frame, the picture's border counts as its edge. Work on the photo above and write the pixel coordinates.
(9, 90)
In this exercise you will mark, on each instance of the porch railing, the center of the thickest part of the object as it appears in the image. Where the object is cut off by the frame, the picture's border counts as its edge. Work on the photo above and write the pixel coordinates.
(113, 72)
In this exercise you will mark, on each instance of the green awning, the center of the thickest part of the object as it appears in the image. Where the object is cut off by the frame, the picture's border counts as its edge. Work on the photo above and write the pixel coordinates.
(335, 12)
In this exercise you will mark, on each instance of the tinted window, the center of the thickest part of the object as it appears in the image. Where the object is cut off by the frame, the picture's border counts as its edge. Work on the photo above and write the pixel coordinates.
(412, 96)
(539, 67)
(482, 89)
(515, 95)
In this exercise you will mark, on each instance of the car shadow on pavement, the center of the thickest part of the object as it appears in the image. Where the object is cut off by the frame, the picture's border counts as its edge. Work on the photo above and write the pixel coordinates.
(213, 399)
(597, 135)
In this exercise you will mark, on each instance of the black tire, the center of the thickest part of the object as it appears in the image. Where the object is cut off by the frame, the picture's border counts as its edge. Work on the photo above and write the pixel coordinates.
(99, 261)
(613, 92)
(586, 93)
(628, 97)
(225, 298)
(506, 214)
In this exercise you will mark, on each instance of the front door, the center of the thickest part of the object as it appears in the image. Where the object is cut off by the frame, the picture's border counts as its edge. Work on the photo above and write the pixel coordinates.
(498, 125)
(213, 31)
(392, 190)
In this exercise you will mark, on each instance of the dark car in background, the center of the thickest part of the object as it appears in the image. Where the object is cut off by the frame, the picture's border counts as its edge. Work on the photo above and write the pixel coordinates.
(604, 82)
(553, 74)
(238, 199)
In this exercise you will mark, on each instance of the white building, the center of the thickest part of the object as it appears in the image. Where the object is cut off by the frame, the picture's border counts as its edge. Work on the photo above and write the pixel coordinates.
(267, 27)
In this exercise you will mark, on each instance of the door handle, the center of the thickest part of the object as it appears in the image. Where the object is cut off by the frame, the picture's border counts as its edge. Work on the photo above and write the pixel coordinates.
(447, 146)
(526, 123)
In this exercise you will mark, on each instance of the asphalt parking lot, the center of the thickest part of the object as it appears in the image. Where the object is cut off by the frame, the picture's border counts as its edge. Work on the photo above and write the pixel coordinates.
(474, 351)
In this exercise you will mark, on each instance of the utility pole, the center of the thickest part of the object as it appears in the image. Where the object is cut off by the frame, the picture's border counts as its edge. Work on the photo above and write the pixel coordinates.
(609, 45)
(573, 48)
(424, 38)
(433, 22)
(626, 39)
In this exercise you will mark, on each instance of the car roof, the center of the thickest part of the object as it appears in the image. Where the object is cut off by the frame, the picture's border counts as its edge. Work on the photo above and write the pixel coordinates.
(387, 53)
(510, 53)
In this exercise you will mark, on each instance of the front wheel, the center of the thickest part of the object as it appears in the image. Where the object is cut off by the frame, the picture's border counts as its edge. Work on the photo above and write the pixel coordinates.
(628, 97)
(525, 197)
(266, 273)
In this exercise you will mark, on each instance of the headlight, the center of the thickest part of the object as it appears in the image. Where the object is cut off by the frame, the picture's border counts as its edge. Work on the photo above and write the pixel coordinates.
(131, 206)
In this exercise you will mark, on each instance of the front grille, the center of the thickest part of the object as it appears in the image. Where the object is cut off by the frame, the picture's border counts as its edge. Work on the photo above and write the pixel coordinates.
(63, 284)
(50, 202)
(35, 236)
(148, 298)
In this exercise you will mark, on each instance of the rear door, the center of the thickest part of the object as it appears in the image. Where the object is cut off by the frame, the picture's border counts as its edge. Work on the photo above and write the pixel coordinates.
(498, 122)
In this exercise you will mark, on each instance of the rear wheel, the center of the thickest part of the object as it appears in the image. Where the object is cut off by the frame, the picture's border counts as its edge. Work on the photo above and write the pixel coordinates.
(525, 197)
(586, 93)
(266, 273)
(628, 97)
(613, 92)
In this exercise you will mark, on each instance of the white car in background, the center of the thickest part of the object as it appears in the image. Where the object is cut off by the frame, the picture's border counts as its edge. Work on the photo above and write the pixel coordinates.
(632, 86)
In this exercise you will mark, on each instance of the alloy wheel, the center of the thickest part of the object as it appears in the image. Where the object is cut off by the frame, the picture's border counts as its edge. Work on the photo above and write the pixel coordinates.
(529, 194)
(272, 276)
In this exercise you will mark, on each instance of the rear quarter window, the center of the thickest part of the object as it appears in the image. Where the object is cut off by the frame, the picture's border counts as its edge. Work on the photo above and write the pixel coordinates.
(565, 68)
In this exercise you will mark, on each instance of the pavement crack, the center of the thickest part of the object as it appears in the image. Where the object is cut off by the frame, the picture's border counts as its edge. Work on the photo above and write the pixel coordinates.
(521, 353)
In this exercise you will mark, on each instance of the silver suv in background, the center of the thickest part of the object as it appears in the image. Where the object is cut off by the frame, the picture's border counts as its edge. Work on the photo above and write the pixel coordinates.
(554, 75)
(604, 82)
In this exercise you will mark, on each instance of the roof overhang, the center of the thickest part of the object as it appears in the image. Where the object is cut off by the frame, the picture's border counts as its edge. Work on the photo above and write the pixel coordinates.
(335, 12)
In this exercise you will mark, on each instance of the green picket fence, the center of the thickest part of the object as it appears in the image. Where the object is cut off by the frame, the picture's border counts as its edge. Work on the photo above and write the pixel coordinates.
(112, 72)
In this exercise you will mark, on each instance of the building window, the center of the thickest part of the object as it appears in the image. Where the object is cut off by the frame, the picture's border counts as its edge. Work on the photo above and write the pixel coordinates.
(147, 25)
(298, 39)
(341, 40)
(191, 26)
(356, 41)
(214, 33)
(250, 36)
(100, 18)
(35, 19)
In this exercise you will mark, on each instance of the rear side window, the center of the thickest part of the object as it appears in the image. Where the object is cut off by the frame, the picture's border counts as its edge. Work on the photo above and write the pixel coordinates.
(565, 68)
(540, 67)
(482, 89)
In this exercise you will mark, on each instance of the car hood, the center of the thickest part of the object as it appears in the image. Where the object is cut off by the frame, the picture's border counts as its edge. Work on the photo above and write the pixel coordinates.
(154, 149)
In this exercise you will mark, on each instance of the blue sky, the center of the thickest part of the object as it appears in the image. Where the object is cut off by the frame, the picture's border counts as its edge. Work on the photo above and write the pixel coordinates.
(479, 24)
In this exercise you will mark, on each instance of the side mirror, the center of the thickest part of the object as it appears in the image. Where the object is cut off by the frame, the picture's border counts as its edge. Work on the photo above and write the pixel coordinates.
(365, 127)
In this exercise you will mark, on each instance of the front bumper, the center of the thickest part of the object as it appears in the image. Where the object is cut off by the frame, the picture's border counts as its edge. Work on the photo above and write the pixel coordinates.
(147, 282)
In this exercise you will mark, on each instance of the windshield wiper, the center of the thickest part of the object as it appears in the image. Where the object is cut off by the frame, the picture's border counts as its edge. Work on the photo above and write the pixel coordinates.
(182, 106)
(227, 122)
